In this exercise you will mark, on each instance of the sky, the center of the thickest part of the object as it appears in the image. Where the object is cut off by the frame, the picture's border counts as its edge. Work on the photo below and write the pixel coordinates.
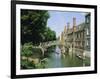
(58, 20)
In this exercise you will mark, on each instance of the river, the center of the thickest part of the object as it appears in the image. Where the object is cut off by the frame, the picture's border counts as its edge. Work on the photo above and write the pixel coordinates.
(58, 60)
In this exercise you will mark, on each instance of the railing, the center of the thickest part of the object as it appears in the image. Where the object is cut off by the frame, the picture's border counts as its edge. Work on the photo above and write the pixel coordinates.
(43, 46)
(50, 43)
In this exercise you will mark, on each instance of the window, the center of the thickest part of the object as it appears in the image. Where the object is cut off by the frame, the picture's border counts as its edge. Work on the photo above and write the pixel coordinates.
(87, 31)
(87, 43)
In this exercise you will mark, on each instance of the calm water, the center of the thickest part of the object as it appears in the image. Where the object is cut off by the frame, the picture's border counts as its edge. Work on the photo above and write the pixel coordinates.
(57, 60)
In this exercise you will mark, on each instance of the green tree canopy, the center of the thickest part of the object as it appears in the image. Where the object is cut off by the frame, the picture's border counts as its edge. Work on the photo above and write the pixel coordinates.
(33, 26)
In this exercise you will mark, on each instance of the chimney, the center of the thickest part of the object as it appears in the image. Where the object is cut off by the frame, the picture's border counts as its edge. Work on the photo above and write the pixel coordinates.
(65, 30)
(74, 21)
(74, 24)
(68, 26)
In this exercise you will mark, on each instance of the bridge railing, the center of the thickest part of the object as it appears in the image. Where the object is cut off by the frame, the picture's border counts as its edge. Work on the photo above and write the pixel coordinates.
(49, 43)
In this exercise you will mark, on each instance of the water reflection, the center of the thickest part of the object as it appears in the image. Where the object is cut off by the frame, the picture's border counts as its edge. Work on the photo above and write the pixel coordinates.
(57, 59)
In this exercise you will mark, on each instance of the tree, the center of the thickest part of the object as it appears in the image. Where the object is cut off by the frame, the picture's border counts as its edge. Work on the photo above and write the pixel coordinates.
(33, 25)
(49, 34)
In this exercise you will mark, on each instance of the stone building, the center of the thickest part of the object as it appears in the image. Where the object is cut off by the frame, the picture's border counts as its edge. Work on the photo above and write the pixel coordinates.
(87, 32)
(77, 38)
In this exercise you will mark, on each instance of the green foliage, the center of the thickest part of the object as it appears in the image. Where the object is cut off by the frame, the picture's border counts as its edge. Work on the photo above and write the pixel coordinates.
(33, 27)
(27, 64)
(49, 34)
(26, 50)
(33, 31)
(33, 24)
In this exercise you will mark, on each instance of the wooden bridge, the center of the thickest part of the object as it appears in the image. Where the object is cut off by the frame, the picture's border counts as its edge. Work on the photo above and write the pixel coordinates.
(44, 45)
